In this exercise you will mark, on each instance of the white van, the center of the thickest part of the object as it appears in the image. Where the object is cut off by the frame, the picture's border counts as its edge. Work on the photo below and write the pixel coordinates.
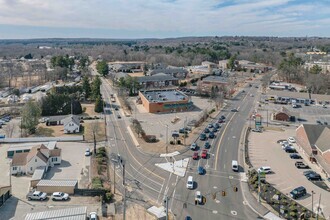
(234, 165)
(190, 182)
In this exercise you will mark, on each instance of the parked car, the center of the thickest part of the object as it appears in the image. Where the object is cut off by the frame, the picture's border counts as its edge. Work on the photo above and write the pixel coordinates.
(256, 130)
(204, 154)
(301, 165)
(284, 142)
(210, 126)
(200, 170)
(221, 120)
(291, 140)
(290, 149)
(93, 216)
(206, 130)
(211, 135)
(222, 117)
(207, 145)
(295, 156)
(116, 108)
(214, 130)
(193, 146)
(88, 152)
(195, 156)
(308, 172)
(60, 196)
(118, 116)
(202, 137)
(234, 110)
(265, 169)
(198, 197)
(314, 177)
(319, 122)
(37, 195)
(298, 192)
(217, 125)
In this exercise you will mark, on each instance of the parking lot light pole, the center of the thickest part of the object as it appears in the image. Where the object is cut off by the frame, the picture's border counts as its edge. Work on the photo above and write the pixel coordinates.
(166, 139)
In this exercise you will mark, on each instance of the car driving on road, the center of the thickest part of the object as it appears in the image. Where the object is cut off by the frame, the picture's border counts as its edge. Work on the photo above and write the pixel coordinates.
(204, 154)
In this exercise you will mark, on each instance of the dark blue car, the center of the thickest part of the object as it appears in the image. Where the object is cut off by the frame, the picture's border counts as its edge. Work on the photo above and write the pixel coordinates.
(211, 135)
(200, 170)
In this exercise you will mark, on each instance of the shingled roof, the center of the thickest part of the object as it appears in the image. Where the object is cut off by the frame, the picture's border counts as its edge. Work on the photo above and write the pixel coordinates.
(318, 136)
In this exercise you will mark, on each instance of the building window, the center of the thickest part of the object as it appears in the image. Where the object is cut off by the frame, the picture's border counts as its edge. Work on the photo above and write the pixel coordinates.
(36, 160)
(54, 159)
(14, 168)
(31, 168)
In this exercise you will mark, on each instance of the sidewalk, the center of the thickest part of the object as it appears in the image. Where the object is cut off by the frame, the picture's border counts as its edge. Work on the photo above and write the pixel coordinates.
(261, 209)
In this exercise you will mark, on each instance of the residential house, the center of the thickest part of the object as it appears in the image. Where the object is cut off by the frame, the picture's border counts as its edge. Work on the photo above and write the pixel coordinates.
(38, 156)
(315, 141)
(71, 124)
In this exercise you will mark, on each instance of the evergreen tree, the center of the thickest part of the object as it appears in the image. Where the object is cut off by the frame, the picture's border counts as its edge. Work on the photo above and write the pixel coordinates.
(96, 87)
(98, 104)
(86, 87)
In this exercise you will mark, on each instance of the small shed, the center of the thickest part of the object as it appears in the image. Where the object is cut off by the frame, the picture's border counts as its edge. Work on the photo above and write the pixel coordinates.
(38, 174)
(76, 213)
(50, 186)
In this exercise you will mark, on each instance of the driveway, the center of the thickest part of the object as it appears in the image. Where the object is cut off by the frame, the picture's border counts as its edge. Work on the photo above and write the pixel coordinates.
(265, 151)
(74, 165)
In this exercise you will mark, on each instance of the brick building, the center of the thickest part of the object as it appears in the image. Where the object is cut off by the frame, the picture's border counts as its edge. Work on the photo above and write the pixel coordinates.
(165, 101)
(315, 141)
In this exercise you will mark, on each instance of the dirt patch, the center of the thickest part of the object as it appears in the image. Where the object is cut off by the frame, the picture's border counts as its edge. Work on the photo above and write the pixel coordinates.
(136, 211)
(99, 128)
(89, 110)
(54, 131)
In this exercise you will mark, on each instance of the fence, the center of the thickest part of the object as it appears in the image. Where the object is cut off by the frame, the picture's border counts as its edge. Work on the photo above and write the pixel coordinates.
(42, 139)
(89, 192)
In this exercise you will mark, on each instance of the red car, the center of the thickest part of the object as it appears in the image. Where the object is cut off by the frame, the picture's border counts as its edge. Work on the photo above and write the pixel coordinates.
(195, 156)
(204, 154)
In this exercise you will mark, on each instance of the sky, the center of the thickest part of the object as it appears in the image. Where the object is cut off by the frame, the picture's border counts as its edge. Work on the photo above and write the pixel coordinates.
(131, 19)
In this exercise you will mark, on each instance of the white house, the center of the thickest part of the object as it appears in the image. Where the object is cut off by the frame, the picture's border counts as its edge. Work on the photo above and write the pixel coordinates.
(71, 124)
(38, 156)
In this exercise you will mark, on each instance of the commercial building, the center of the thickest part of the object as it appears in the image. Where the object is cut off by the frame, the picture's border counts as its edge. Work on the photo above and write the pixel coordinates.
(158, 80)
(165, 101)
(76, 213)
(26, 147)
(314, 140)
(51, 186)
(4, 194)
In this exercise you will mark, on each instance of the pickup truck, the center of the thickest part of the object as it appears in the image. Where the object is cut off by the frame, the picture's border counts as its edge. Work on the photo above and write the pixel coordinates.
(37, 195)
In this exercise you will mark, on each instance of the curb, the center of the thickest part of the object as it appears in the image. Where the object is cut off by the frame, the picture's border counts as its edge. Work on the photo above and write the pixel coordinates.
(136, 143)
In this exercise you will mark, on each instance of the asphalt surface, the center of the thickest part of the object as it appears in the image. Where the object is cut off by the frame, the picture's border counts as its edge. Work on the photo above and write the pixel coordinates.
(219, 176)
(146, 182)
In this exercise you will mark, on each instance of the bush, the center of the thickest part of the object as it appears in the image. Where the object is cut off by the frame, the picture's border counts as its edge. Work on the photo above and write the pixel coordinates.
(172, 142)
(84, 109)
(97, 183)
(293, 214)
(150, 138)
(108, 197)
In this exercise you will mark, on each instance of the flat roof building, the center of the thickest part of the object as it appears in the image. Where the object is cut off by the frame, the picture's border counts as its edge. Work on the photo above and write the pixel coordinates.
(165, 101)
(76, 213)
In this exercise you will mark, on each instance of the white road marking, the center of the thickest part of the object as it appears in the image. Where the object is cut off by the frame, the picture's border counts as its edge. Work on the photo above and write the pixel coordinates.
(215, 212)
(146, 177)
(231, 177)
(215, 187)
(217, 201)
(234, 136)
(245, 203)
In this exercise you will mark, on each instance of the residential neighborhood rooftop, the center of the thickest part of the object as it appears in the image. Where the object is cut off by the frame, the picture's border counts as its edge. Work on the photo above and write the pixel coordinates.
(77, 213)
(57, 183)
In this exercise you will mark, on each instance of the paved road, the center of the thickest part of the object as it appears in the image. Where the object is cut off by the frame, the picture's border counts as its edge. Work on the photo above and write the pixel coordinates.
(219, 175)
(147, 182)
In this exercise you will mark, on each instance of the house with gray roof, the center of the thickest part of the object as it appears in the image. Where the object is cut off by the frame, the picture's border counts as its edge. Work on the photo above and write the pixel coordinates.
(71, 124)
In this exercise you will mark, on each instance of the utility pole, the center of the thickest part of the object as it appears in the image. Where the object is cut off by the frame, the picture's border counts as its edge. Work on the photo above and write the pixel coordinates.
(312, 203)
(114, 178)
(124, 211)
(166, 207)
(267, 117)
(184, 132)
(259, 187)
(318, 208)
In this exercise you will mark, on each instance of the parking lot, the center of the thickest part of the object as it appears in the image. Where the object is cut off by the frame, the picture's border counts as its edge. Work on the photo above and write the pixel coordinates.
(265, 151)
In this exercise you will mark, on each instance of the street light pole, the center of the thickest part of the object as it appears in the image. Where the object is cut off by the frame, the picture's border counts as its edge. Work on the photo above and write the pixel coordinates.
(166, 139)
